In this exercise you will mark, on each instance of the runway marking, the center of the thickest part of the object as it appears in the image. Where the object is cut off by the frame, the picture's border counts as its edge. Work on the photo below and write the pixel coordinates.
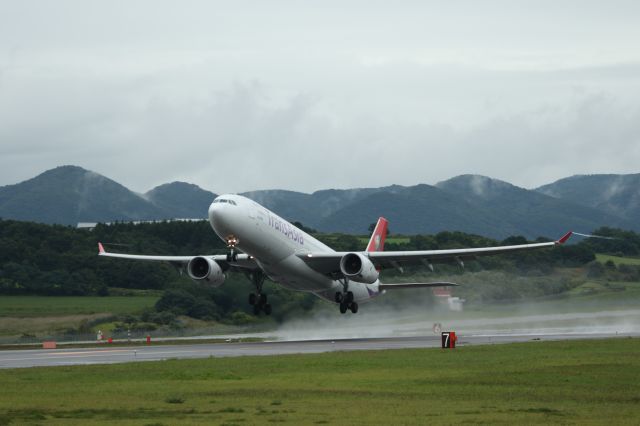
(110, 352)
(63, 355)
(103, 351)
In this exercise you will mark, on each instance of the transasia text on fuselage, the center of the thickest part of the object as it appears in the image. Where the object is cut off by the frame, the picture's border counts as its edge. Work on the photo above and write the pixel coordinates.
(286, 229)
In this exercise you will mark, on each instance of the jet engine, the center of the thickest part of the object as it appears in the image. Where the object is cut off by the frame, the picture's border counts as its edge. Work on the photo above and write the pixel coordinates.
(358, 267)
(202, 268)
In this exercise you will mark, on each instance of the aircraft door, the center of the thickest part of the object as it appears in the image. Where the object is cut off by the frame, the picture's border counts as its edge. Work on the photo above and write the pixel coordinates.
(261, 218)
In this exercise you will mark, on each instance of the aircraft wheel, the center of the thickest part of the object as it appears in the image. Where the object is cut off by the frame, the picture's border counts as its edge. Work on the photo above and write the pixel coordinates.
(262, 299)
(252, 299)
(354, 307)
(338, 297)
(349, 297)
(267, 309)
(343, 308)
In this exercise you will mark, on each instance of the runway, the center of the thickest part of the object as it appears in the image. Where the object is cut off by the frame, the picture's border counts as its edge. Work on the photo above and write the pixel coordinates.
(112, 354)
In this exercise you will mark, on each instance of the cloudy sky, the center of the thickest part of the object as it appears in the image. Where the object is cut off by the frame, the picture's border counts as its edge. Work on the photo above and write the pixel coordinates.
(301, 95)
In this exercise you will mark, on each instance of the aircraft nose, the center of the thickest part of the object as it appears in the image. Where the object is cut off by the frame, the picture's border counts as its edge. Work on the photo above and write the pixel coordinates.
(215, 215)
(220, 218)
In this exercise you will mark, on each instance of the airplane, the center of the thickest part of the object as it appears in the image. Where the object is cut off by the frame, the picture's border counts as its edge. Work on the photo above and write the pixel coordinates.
(263, 245)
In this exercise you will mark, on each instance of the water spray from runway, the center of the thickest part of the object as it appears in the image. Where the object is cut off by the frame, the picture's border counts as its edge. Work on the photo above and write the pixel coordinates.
(516, 319)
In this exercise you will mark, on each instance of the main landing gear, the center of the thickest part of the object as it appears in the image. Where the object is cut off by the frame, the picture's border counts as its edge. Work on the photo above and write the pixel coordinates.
(259, 303)
(259, 300)
(232, 254)
(346, 302)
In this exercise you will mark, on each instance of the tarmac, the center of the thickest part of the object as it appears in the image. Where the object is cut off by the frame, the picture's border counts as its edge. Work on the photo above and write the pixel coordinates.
(105, 354)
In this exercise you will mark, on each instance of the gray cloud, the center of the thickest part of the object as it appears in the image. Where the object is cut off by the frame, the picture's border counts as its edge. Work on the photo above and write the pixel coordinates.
(251, 96)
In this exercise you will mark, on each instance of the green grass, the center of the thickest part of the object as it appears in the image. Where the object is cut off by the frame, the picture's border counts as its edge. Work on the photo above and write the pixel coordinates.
(577, 382)
(617, 259)
(41, 314)
(42, 306)
(608, 294)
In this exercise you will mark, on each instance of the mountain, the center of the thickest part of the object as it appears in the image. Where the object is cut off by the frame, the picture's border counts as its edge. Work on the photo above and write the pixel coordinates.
(530, 212)
(68, 195)
(181, 200)
(468, 203)
(616, 194)
(410, 210)
(311, 209)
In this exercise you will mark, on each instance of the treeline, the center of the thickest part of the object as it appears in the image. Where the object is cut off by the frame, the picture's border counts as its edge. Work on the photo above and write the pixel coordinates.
(58, 260)
(616, 242)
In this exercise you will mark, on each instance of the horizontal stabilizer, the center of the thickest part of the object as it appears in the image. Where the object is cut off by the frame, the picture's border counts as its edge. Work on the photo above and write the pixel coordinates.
(415, 285)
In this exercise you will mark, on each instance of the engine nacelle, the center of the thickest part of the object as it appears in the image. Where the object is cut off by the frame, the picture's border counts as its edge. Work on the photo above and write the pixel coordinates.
(202, 268)
(358, 267)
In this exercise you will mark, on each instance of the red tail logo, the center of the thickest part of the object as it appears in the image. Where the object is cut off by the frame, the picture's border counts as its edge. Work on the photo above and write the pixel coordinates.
(376, 243)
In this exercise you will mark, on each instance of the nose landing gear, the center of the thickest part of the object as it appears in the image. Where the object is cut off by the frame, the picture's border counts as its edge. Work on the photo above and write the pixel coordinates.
(232, 254)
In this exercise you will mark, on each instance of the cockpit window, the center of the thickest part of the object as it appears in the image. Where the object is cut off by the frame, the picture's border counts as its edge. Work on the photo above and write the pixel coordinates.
(224, 200)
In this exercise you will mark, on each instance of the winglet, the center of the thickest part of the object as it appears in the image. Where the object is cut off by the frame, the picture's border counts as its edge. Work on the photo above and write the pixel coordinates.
(101, 249)
(564, 238)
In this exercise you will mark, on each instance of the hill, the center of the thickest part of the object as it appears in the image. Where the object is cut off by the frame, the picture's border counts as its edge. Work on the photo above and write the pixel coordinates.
(469, 203)
(314, 209)
(528, 211)
(615, 194)
(68, 195)
(181, 200)
(410, 210)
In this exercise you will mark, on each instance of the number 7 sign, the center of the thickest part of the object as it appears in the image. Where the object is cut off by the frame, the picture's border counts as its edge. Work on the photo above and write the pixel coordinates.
(449, 339)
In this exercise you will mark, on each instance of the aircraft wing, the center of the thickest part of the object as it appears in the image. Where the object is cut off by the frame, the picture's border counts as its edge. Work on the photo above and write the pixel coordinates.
(329, 263)
(243, 261)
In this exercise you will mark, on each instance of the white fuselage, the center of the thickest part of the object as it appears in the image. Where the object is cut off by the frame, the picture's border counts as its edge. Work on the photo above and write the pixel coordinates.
(276, 244)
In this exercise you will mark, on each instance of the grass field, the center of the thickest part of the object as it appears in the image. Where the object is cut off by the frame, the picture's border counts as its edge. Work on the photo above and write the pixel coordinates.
(621, 292)
(40, 314)
(577, 382)
(617, 259)
(42, 306)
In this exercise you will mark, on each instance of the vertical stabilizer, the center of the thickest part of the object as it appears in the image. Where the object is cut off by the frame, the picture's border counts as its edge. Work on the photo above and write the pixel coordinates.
(376, 243)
